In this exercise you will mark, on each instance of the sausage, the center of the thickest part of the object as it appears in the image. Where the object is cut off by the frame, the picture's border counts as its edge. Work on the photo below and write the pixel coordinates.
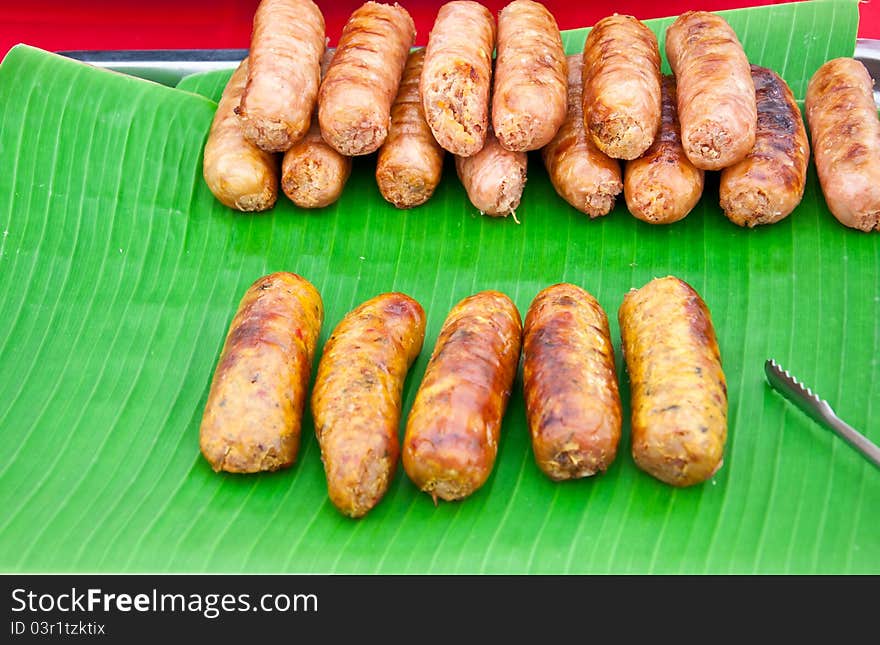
(529, 95)
(313, 173)
(582, 175)
(457, 76)
(285, 70)
(356, 400)
(716, 95)
(252, 418)
(454, 425)
(663, 186)
(570, 385)
(410, 161)
(494, 178)
(846, 141)
(239, 174)
(621, 86)
(678, 389)
(769, 183)
(354, 102)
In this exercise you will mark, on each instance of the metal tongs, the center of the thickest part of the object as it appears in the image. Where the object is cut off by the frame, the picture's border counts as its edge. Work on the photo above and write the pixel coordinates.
(819, 410)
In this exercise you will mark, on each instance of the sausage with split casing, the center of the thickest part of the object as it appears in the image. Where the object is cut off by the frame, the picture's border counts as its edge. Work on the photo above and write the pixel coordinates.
(582, 175)
(663, 186)
(716, 95)
(768, 184)
(356, 400)
(529, 96)
(846, 141)
(621, 98)
(354, 102)
(253, 415)
(457, 76)
(285, 71)
(410, 161)
(239, 174)
(454, 425)
(678, 389)
(570, 384)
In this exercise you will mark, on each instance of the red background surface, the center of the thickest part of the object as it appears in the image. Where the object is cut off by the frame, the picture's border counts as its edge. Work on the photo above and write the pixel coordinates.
(160, 24)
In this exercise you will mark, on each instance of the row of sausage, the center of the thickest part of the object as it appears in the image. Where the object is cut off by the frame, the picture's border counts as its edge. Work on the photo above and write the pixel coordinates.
(584, 112)
(252, 418)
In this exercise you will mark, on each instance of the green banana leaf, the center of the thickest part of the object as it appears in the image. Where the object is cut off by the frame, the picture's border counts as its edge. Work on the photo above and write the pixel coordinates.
(120, 273)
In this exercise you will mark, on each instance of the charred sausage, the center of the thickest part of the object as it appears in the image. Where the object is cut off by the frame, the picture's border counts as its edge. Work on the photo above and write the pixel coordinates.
(679, 392)
(454, 426)
(769, 183)
(252, 418)
(570, 385)
(357, 398)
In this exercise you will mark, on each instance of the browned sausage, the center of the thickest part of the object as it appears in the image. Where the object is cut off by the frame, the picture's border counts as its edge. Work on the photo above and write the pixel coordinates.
(621, 86)
(582, 175)
(357, 398)
(457, 76)
(494, 178)
(239, 174)
(354, 103)
(716, 95)
(254, 409)
(454, 426)
(679, 393)
(286, 47)
(662, 186)
(570, 385)
(313, 173)
(529, 96)
(410, 161)
(846, 141)
(766, 186)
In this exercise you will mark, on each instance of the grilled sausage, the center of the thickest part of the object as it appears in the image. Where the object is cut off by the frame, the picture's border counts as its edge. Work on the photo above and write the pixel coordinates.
(529, 96)
(662, 186)
(254, 410)
(354, 103)
(766, 186)
(570, 385)
(846, 141)
(494, 178)
(410, 161)
(457, 76)
(679, 393)
(454, 426)
(285, 70)
(357, 398)
(239, 174)
(621, 98)
(313, 173)
(582, 175)
(716, 95)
